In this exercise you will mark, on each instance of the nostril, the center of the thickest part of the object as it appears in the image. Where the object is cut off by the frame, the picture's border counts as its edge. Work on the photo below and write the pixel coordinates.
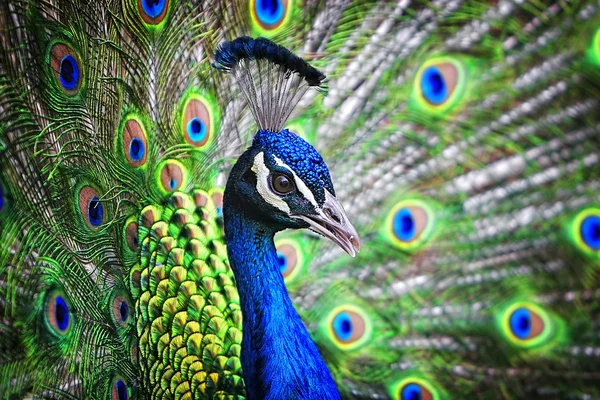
(329, 212)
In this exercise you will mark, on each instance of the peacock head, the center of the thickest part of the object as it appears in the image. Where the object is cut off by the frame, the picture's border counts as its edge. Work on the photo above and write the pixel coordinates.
(282, 182)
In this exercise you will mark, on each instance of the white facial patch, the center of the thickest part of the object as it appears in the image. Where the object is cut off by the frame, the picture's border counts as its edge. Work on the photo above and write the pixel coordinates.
(262, 184)
(308, 195)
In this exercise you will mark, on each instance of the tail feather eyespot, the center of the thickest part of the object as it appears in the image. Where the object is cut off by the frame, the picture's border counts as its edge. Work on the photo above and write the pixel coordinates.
(414, 388)
(290, 258)
(66, 68)
(199, 120)
(349, 327)
(269, 16)
(584, 231)
(153, 12)
(58, 313)
(440, 84)
(91, 207)
(526, 324)
(410, 224)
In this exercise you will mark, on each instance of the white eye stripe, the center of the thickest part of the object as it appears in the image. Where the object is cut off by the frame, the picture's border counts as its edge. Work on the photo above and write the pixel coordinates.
(262, 184)
(299, 183)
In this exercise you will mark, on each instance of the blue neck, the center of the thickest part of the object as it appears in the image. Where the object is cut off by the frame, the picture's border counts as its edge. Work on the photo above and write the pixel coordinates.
(279, 359)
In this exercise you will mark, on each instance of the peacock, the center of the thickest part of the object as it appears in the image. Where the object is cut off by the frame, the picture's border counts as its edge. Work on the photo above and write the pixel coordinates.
(169, 169)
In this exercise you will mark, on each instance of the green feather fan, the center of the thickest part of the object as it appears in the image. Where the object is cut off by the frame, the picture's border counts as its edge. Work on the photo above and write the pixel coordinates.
(463, 138)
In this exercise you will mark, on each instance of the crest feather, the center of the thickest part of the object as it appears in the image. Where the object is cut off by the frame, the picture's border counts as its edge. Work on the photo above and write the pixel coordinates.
(272, 78)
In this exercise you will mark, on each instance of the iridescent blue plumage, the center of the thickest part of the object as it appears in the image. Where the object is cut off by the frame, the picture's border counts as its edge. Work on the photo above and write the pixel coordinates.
(269, 12)
(300, 156)
(69, 72)
(95, 211)
(153, 8)
(590, 231)
(136, 149)
(61, 311)
(433, 85)
(272, 329)
(342, 325)
(520, 323)
(404, 225)
(196, 130)
(279, 182)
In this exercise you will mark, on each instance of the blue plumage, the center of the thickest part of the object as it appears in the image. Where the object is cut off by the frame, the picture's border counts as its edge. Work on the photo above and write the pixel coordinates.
(196, 130)
(404, 225)
(95, 211)
(279, 182)
(520, 323)
(61, 311)
(590, 231)
(433, 85)
(412, 391)
(136, 149)
(342, 325)
(269, 11)
(69, 73)
(297, 153)
(279, 359)
(124, 311)
(121, 390)
(153, 8)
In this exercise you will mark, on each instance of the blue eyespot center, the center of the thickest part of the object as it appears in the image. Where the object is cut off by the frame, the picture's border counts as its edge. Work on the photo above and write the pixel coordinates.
(61, 312)
(521, 323)
(124, 311)
(282, 262)
(196, 130)
(412, 391)
(95, 211)
(121, 390)
(1, 197)
(69, 72)
(342, 325)
(136, 149)
(153, 8)
(172, 183)
(404, 225)
(269, 12)
(590, 231)
(433, 85)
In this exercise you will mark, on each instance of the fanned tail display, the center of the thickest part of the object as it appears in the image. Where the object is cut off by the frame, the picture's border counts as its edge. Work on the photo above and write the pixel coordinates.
(462, 138)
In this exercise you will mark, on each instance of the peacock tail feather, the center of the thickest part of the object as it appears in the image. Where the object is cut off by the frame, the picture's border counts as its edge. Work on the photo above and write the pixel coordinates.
(462, 137)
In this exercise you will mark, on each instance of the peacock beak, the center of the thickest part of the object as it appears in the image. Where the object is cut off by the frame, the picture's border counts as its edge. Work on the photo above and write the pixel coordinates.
(332, 222)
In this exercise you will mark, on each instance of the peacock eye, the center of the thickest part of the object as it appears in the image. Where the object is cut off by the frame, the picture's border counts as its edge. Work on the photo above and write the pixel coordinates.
(526, 324)
(414, 388)
(120, 390)
(59, 313)
(121, 310)
(349, 327)
(66, 68)
(282, 184)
